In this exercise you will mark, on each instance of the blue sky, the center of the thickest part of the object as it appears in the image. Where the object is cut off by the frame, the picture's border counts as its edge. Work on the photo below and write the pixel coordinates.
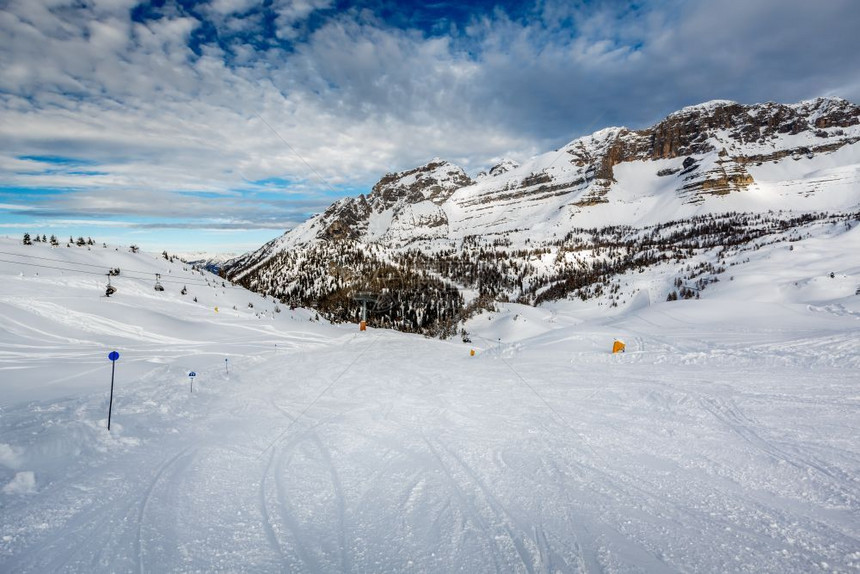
(218, 125)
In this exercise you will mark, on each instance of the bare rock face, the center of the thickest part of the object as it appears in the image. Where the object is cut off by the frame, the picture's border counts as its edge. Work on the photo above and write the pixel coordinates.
(411, 200)
(691, 132)
(347, 219)
(726, 176)
(433, 182)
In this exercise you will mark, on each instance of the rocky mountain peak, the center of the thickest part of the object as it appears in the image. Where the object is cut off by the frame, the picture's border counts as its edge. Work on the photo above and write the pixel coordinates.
(690, 130)
(435, 181)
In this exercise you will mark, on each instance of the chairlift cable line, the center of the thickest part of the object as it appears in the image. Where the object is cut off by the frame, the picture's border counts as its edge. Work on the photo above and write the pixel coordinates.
(84, 272)
(318, 397)
(297, 154)
(125, 270)
(52, 267)
(522, 379)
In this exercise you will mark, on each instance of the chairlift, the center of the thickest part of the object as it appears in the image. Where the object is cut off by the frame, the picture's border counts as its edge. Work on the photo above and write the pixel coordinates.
(110, 289)
(158, 286)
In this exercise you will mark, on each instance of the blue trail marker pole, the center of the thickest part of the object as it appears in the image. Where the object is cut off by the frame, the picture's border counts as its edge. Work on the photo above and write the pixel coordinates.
(113, 356)
(191, 376)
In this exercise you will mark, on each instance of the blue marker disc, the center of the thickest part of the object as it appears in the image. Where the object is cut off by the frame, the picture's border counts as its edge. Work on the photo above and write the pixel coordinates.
(113, 356)
(192, 374)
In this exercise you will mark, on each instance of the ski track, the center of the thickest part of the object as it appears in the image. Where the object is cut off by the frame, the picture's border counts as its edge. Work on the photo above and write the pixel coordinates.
(184, 456)
(513, 529)
(474, 513)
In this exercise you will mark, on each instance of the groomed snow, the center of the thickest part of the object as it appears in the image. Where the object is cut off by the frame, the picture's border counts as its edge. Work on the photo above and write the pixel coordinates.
(724, 440)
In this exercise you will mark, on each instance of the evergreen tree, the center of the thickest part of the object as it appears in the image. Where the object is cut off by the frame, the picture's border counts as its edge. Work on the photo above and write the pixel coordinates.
(27, 239)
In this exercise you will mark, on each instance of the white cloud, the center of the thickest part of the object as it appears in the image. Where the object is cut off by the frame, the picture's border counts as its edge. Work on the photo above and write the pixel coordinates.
(292, 13)
(355, 98)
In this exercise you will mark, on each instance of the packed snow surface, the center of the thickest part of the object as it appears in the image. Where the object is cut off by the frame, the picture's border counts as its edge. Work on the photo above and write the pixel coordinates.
(726, 438)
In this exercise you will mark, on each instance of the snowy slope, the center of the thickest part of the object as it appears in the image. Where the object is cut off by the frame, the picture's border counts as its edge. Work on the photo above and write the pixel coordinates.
(724, 440)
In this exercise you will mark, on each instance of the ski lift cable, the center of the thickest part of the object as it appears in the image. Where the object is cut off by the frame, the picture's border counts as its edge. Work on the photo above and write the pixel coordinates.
(84, 272)
(319, 396)
(127, 270)
(52, 267)
(297, 154)
(191, 281)
(537, 394)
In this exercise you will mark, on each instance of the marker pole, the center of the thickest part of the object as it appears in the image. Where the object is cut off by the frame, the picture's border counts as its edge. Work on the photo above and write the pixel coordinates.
(110, 405)
(113, 356)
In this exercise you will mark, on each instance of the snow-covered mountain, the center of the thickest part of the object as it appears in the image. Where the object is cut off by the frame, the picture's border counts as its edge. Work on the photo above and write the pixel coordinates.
(796, 156)
(212, 262)
(704, 161)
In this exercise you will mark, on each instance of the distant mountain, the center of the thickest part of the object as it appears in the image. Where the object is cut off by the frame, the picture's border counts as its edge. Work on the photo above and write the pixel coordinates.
(699, 163)
(208, 261)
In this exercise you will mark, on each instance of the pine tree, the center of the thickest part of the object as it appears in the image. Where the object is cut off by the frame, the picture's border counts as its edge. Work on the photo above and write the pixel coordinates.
(27, 239)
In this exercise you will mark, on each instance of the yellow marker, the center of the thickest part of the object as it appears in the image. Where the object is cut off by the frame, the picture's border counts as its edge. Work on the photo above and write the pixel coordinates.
(216, 309)
(472, 353)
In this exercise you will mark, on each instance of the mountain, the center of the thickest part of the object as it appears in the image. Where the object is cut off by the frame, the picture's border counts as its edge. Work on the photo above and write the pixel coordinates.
(558, 225)
(205, 260)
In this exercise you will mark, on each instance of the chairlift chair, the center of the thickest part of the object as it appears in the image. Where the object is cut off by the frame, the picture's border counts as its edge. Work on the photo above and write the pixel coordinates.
(110, 289)
(158, 286)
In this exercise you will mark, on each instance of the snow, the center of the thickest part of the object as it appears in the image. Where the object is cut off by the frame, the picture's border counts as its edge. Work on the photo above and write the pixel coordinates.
(724, 440)
(704, 107)
(23, 483)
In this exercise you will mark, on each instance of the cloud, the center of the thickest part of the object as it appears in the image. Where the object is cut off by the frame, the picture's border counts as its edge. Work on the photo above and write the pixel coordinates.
(243, 99)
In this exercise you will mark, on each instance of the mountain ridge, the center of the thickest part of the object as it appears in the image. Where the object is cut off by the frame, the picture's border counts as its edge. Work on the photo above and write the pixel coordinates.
(587, 173)
(698, 168)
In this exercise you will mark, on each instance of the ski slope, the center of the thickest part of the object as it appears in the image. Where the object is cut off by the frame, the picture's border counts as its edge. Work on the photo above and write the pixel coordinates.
(726, 438)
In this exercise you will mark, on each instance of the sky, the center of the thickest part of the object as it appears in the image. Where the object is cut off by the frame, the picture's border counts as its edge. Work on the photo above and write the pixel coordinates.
(215, 126)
